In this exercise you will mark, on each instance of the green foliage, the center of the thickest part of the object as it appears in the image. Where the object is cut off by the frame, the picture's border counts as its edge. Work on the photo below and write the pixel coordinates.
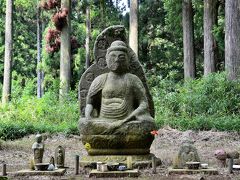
(219, 35)
(160, 48)
(28, 115)
(24, 37)
(51, 62)
(161, 37)
(25, 3)
(218, 30)
(2, 36)
(206, 103)
(173, 18)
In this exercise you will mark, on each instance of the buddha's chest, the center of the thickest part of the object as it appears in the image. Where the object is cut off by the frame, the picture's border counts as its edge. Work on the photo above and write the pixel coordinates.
(114, 89)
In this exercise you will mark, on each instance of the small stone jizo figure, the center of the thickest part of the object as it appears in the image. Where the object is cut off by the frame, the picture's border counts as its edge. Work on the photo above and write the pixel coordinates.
(59, 157)
(186, 153)
(38, 149)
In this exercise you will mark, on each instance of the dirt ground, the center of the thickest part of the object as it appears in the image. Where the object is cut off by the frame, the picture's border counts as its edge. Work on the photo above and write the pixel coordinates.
(16, 154)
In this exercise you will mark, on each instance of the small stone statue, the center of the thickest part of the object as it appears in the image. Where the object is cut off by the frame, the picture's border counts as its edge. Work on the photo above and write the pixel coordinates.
(221, 156)
(187, 153)
(38, 149)
(59, 157)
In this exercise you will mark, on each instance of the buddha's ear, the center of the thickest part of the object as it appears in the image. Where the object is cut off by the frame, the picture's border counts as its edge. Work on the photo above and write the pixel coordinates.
(107, 56)
(107, 59)
(128, 61)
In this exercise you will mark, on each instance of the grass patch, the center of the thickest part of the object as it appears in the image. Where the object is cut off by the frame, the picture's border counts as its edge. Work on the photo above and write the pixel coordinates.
(212, 102)
(29, 115)
(223, 123)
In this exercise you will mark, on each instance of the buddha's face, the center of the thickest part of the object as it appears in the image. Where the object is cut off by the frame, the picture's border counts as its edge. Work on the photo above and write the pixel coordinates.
(38, 138)
(186, 149)
(117, 61)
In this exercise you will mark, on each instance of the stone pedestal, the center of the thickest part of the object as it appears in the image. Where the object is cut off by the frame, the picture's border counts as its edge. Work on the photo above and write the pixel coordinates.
(140, 161)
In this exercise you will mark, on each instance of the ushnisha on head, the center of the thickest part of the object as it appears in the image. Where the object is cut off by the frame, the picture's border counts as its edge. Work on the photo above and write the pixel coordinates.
(117, 57)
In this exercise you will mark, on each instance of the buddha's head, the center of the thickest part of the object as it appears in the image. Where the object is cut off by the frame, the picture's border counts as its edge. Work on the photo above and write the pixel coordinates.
(117, 57)
(38, 138)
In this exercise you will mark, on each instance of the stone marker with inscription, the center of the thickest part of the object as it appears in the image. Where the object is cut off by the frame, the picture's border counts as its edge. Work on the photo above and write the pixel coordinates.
(186, 153)
(59, 157)
(187, 161)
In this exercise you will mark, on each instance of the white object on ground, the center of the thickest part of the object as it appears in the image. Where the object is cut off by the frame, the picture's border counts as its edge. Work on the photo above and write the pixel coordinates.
(204, 165)
(51, 167)
(236, 166)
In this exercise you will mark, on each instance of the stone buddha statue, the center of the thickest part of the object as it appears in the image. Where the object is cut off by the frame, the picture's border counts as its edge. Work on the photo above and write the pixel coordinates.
(117, 118)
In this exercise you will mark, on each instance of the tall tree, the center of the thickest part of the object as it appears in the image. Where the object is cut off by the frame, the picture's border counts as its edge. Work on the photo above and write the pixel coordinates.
(232, 39)
(210, 19)
(88, 34)
(39, 50)
(65, 53)
(102, 10)
(8, 53)
(188, 39)
(133, 26)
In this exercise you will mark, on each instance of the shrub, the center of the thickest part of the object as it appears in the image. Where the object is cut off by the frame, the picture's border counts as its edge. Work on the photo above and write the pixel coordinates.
(198, 104)
(28, 115)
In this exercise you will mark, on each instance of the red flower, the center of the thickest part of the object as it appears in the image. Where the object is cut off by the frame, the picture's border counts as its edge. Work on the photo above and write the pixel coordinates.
(60, 18)
(63, 13)
(50, 4)
(154, 132)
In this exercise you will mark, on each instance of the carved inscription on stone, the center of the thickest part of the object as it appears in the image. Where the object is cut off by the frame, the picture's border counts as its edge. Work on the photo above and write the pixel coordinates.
(102, 44)
(89, 77)
(83, 93)
(102, 63)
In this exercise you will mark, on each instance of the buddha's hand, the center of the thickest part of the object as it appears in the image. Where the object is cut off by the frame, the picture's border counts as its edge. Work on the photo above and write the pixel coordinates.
(88, 117)
(126, 120)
